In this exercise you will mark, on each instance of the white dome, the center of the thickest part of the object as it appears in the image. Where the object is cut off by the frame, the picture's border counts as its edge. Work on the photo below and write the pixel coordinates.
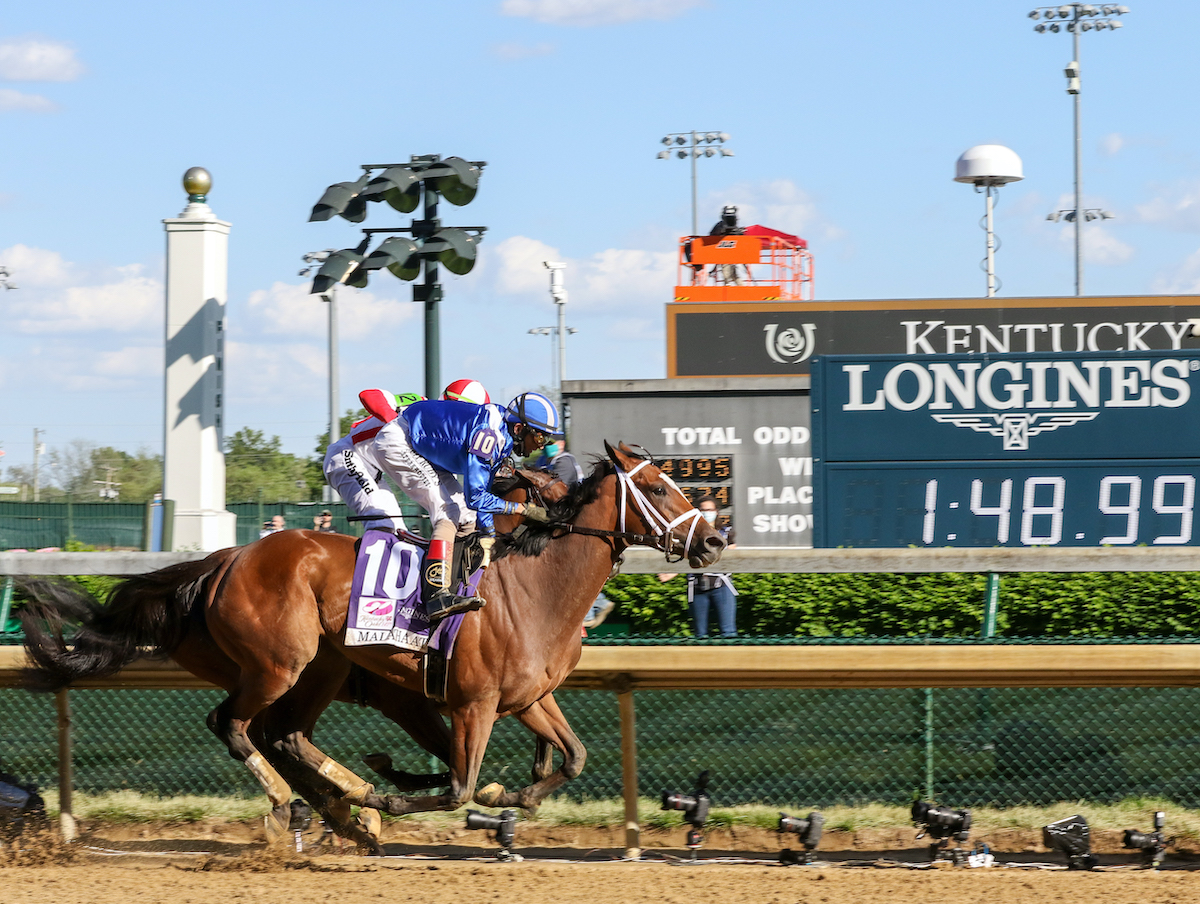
(988, 164)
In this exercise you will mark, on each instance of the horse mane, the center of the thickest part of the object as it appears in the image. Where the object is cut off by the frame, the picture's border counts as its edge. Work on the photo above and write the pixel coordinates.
(531, 538)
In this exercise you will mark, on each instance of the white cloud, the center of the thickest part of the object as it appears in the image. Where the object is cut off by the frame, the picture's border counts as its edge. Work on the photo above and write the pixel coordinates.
(1112, 143)
(1100, 246)
(597, 12)
(38, 60)
(515, 51)
(258, 372)
(780, 204)
(57, 296)
(1175, 207)
(618, 278)
(30, 103)
(289, 310)
(1184, 280)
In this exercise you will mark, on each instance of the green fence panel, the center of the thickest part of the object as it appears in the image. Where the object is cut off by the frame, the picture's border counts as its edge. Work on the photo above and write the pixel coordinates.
(786, 748)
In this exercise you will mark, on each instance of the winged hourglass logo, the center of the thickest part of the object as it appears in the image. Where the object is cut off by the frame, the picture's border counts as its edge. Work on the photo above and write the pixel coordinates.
(1015, 427)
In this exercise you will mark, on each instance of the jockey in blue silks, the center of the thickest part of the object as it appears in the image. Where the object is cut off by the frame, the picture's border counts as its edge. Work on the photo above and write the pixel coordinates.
(426, 445)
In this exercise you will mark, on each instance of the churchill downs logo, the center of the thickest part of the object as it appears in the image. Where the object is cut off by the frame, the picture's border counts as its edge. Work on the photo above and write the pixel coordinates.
(1035, 397)
(790, 346)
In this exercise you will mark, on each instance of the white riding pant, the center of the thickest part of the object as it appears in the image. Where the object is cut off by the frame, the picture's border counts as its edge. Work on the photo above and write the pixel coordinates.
(435, 490)
(355, 481)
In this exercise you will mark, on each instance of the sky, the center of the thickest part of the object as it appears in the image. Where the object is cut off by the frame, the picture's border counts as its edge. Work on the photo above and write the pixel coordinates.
(845, 121)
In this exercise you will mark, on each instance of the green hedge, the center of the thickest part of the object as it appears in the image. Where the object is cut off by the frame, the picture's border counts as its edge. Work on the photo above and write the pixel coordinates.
(936, 605)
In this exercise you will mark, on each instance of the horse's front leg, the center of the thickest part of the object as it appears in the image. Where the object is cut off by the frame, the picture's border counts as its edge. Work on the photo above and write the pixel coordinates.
(471, 729)
(546, 720)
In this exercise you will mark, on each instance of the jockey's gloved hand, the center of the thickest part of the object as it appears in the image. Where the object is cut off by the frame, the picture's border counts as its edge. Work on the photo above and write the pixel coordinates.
(536, 513)
(486, 543)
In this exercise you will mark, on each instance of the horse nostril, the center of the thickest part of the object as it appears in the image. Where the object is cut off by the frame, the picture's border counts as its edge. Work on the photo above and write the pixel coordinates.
(714, 543)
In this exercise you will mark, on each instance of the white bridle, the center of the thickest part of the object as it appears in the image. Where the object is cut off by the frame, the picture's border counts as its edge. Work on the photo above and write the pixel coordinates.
(654, 519)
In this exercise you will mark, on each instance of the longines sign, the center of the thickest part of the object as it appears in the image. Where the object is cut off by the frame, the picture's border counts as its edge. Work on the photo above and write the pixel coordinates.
(762, 339)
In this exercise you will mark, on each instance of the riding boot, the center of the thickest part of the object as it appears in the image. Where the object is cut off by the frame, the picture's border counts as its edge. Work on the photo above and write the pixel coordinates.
(435, 586)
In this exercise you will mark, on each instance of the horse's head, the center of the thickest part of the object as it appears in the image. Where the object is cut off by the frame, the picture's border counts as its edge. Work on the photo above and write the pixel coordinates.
(646, 494)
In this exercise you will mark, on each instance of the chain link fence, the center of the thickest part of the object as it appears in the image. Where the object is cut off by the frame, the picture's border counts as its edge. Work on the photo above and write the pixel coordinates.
(965, 747)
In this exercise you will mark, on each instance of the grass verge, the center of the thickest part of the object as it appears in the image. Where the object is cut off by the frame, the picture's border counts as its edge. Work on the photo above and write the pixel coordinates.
(130, 806)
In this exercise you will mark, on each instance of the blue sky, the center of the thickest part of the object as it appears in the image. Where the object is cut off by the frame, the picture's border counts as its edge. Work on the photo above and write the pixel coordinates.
(846, 120)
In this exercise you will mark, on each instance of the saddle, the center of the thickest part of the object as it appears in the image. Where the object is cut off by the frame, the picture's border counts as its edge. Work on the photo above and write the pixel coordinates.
(385, 599)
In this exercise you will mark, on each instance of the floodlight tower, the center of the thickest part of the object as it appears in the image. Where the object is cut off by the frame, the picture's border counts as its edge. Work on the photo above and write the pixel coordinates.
(695, 145)
(988, 166)
(1077, 18)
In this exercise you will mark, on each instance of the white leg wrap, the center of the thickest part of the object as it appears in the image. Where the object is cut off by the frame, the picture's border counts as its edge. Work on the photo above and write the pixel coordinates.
(277, 789)
(353, 788)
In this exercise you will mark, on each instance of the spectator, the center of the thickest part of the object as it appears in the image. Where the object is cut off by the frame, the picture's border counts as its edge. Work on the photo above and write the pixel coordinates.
(273, 526)
(323, 523)
(708, 591)
(555, 458)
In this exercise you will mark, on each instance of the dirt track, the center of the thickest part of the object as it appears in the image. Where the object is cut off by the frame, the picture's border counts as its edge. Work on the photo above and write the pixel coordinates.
(200, 864)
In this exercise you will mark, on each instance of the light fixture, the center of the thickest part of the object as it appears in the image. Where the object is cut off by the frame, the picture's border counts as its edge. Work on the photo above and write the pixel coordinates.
(401, 256)
(942, 824)
(341, 267)
(694, 145)
(400, 186)
(342, 199)
(1153, 845)
(809, 831)
(504, 826)
(695, 810)
(1070, 836)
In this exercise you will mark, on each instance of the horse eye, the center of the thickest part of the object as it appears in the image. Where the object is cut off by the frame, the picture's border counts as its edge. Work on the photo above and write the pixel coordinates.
(659, 490)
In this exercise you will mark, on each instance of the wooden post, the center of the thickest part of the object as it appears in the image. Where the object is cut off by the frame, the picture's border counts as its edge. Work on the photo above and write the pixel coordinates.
(62, 703)
(629, 773)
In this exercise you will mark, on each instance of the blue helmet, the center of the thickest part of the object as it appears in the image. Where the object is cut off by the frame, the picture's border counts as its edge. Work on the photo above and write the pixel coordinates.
(536, 411)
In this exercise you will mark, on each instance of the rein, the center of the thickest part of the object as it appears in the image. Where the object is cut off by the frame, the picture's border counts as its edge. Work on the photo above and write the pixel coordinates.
(662, 530)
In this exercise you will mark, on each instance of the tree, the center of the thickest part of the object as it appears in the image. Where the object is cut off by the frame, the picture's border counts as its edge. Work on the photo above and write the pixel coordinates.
(81, 470)
(255, 464)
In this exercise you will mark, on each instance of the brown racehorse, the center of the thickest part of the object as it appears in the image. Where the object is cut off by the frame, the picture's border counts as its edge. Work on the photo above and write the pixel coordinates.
(120, 626)
(274, 606)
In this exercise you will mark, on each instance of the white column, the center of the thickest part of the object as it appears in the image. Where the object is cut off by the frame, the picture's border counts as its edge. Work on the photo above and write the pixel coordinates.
(194, 428)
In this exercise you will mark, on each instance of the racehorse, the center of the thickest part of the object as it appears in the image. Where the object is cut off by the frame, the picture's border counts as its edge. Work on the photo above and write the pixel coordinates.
(121, 623)
(272, 609)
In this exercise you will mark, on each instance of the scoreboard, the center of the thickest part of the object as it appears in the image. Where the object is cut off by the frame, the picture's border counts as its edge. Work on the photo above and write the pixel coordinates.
(700, 476)
(1073, 449)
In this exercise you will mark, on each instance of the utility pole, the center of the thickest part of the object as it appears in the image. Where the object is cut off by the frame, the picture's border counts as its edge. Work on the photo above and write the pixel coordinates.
(38, 449)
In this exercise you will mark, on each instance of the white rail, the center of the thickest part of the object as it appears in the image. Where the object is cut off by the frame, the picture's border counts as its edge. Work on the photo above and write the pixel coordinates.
(737, 561)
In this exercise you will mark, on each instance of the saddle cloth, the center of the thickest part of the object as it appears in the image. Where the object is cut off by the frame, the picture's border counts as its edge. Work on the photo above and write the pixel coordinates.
(385, 598)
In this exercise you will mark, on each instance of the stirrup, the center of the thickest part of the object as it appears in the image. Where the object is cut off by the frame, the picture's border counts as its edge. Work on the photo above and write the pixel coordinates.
(452, 605)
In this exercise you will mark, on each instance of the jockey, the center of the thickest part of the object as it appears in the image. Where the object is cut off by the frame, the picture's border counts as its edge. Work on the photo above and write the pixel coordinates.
(426, 445)
(353, 469)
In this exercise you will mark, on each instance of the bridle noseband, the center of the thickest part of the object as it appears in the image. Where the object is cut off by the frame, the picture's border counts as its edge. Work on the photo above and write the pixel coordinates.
(662, 530)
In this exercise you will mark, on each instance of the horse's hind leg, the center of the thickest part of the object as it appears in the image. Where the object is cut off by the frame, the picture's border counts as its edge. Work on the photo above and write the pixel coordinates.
(420, 719)
(545, 720)
(230, 722)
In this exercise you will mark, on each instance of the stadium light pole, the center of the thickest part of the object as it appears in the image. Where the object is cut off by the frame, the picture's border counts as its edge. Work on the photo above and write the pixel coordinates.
(314, 259)
(1077, 18)
(695, 145)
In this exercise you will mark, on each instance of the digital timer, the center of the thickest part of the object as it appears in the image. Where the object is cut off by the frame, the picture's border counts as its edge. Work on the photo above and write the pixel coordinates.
(697, 469)
(700, 476)
(989, 503)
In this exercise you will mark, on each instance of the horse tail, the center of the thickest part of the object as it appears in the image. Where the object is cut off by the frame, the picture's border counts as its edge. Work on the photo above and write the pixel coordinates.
(144, 615)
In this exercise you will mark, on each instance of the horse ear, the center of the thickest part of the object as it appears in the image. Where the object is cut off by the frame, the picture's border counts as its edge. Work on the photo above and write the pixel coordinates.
(612, 453)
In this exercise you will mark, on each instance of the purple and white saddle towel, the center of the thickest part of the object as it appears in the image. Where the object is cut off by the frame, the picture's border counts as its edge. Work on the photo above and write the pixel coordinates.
(385, 598)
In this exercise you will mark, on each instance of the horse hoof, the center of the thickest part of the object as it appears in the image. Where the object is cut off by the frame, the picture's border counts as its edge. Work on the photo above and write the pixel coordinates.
(488, 795)
(377, 761)
(370, 821)
(276, 823)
